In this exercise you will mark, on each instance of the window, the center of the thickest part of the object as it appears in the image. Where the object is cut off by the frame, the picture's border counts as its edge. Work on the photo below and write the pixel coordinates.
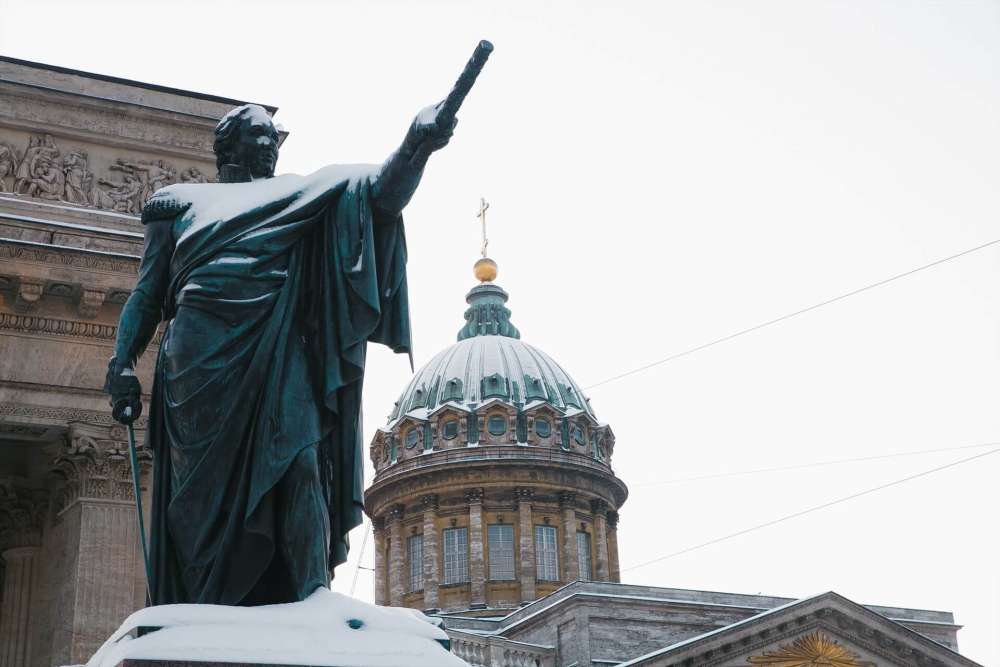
(456, 555)
(546, 556)
(496, 425)
(578, 436)
(583, 549)
(543, 428)
(501, 538)
(411, 438)
(415, 562)
(450, 430)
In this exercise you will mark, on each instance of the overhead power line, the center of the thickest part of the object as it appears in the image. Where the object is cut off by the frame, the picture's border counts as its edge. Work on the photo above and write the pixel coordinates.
(807, 511)
(790, 315)
(361, 554)
(810, 465)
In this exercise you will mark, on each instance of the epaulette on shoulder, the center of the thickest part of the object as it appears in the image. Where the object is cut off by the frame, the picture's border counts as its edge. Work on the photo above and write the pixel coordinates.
(163, 206)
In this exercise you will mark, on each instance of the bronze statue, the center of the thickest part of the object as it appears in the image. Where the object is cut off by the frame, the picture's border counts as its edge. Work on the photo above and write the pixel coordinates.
(272, 287)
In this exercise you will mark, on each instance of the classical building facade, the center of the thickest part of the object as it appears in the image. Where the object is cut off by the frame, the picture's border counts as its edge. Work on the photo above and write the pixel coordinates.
(79, 156)
(495, 509)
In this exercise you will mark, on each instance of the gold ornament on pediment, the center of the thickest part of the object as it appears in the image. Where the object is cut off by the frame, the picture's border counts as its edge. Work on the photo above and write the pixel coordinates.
(810, 650)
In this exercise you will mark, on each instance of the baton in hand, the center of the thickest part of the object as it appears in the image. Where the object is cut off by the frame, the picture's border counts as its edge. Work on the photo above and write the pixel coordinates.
(452, 103)
(138, 506)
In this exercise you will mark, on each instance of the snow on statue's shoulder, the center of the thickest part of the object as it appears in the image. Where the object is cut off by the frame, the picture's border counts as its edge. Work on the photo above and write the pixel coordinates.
(211, 203)
(327, 629)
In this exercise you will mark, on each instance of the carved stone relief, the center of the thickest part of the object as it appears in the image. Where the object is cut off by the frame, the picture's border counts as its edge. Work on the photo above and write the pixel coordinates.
(814, 649)
(40, 173)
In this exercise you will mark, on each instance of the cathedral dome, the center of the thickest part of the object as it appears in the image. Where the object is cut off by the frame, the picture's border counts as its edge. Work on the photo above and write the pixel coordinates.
(490, 362)
(491, 388)
(493, 482)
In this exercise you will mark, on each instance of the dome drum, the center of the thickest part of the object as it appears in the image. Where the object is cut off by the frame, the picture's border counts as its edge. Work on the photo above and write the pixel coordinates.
(523, 543)
(538, 425)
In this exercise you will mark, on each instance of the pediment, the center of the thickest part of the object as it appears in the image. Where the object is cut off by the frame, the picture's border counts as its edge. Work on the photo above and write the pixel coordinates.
(825, 630)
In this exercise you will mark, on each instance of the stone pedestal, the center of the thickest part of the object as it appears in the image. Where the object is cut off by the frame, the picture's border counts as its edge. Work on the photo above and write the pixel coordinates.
(326, 628)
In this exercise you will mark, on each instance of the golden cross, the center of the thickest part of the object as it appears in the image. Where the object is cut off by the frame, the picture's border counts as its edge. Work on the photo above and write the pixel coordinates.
(482, 216)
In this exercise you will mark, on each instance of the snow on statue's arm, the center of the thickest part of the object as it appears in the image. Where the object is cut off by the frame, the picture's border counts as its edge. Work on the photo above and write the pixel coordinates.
(398, 178)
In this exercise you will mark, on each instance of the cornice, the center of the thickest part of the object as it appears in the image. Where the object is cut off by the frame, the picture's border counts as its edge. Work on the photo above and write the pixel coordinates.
(28, 251)
(63, 414)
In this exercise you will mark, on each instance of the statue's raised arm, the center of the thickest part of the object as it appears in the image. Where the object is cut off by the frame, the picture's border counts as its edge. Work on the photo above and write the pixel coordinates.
(431, 131)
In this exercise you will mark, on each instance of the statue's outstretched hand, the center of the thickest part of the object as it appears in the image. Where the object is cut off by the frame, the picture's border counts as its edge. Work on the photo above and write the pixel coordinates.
(123, 390)
(426, 135)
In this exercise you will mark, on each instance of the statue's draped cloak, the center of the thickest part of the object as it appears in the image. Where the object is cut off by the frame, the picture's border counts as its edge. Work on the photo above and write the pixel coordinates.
(274, 290)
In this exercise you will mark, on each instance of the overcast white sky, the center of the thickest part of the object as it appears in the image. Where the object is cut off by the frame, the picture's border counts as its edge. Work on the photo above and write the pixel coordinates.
(662, 175)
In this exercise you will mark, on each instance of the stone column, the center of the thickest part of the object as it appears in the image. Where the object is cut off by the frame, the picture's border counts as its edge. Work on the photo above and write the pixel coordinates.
(599, 508)
(21, 540)
(571, 553)
(526, 543)
(613, 565)
(378, 527)
(477, 562)
(94, 564)
(394, 520)
(431, 555)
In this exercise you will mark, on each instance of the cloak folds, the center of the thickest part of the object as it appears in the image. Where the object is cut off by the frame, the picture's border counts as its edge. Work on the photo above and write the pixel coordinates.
(273, 291)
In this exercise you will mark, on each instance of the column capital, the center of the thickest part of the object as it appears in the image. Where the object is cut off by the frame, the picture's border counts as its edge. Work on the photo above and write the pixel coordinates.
(378, 524)
(429, 502)
(395, 513)
(598, 506)
(21, 514)
(524, 494)
(566, 498)
(474, 496)
(95, 463)
(612, 519)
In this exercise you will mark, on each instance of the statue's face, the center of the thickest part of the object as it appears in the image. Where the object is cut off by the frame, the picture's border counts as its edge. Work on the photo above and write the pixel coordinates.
(256, 146)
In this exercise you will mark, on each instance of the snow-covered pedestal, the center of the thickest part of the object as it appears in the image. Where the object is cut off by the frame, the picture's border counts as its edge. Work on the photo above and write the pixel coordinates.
(326, 630)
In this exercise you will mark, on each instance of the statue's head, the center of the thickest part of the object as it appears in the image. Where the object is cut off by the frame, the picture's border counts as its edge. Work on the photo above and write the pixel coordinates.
(246, 137)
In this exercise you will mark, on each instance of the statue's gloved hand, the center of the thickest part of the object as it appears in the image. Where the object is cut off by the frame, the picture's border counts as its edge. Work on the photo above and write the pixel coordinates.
(123, 390)
(427, 134)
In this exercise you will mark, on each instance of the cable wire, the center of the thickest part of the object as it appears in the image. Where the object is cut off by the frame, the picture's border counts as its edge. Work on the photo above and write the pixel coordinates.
(785, 317)
(810, 465)
(807, 511)
(361, 554)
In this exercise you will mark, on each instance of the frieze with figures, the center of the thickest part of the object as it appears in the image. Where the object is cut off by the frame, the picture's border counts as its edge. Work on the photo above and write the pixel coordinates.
(42, 171)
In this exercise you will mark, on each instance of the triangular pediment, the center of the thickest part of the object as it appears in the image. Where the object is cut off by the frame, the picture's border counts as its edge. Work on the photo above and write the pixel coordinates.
(827, 630)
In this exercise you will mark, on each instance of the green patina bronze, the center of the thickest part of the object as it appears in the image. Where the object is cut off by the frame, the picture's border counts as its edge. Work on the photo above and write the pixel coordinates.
(272, 288)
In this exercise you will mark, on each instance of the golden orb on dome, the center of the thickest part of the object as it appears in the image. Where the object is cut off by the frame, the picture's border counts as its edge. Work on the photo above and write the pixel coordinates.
(486, 270)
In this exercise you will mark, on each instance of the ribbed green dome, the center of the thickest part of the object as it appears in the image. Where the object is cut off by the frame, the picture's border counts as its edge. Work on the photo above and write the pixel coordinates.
(489, 362)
